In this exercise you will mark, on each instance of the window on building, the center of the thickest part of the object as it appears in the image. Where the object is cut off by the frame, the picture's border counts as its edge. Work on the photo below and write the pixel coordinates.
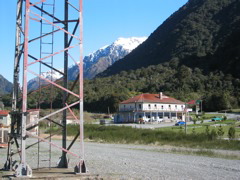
(169, 106)
(162, 107)
(140, 106)
(155, 106)
(176, 106)
(149, 106)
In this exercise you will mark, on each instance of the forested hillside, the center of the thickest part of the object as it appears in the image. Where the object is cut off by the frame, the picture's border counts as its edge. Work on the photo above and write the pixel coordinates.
(5, 86)
(203, 33)
(218, 91)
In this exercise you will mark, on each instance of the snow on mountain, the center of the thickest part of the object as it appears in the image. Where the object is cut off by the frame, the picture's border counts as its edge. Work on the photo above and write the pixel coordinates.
(101, 59)
(129, 43)
(33, 84)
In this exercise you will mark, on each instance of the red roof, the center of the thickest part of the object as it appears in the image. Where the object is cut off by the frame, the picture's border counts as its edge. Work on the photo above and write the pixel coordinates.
(152, 98)
(192, 102)
(4, 112)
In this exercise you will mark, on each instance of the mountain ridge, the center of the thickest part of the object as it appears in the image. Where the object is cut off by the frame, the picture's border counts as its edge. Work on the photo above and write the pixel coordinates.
(197, 31)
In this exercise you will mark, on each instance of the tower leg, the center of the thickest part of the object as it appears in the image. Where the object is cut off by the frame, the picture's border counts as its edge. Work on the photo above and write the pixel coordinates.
(63, 163)
(80, 167)
(23, 170)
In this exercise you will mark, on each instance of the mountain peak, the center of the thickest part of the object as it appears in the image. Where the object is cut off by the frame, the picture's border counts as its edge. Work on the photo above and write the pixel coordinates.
(33, 84)
(104, 57)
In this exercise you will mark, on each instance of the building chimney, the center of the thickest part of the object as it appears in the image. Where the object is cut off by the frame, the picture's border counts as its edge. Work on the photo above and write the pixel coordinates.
(160, 95)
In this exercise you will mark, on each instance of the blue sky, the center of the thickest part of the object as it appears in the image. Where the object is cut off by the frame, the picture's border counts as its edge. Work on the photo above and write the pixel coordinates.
(104, 22)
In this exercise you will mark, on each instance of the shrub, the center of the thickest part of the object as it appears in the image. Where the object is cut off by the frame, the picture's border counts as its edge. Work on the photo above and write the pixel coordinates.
(194, 131)
(231, 133)
(220, 131)
(207, 130)
(213, 135)
(194, 121)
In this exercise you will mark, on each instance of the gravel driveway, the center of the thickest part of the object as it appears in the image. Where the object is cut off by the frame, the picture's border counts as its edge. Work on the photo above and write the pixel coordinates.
(120, 161)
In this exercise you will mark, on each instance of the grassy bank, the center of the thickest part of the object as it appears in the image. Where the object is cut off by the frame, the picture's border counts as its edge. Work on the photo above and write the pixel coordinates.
(210, 116)
(116, 134)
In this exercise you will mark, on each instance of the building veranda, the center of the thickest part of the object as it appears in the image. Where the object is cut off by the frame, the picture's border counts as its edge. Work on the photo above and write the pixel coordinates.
(150, 108)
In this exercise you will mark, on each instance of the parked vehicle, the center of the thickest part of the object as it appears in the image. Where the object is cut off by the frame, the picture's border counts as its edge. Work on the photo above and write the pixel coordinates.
(217, 118)
(180, 123)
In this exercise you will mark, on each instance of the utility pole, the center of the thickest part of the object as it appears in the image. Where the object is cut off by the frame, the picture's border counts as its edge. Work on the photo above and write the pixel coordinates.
(186, 111)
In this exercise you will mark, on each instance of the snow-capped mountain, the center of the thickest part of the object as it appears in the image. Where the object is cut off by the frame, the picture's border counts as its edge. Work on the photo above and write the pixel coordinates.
(33, 84)
(95, 62)
(101, 59)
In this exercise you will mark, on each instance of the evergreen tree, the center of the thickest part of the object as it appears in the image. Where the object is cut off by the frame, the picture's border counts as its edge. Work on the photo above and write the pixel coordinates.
(231, 133)
(220, 131)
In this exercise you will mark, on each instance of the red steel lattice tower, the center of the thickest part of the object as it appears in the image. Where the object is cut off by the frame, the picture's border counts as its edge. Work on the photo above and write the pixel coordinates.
(67, 31)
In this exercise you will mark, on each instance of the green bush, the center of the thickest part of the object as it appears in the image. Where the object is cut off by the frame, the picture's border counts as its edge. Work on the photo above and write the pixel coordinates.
(207, 131)
(231, 133)
(220, 131)
(213, 135)
(194, 131)
(194, 121)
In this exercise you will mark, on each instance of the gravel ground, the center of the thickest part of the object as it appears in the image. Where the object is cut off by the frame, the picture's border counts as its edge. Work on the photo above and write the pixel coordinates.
(120, 161)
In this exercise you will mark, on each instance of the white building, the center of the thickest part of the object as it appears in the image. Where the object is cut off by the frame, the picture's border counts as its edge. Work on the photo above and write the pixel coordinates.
(5, 118)
(150, 108)
(5, 121)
